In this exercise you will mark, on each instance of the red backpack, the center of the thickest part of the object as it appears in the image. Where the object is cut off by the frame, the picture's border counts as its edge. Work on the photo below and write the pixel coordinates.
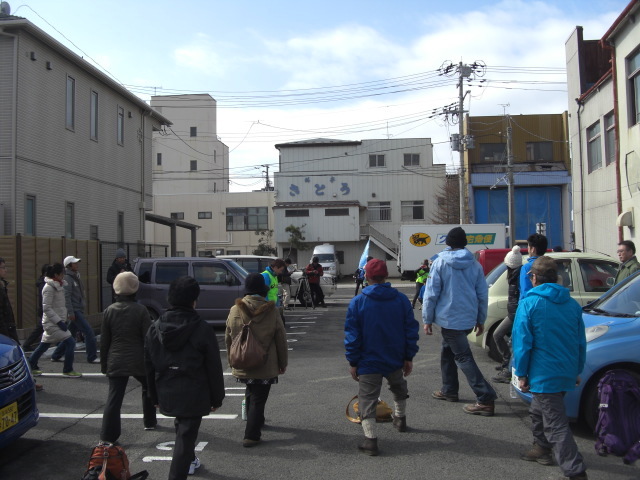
(109, 462)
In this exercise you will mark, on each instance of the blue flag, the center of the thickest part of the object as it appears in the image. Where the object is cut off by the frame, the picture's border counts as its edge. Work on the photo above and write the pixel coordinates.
(365, 254)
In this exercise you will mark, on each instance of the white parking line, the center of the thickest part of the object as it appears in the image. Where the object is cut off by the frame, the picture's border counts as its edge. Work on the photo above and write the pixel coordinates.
(92, 416)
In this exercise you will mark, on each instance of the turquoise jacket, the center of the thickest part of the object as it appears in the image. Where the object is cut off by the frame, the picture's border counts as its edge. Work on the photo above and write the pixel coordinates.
(549, 343)
(456, 294)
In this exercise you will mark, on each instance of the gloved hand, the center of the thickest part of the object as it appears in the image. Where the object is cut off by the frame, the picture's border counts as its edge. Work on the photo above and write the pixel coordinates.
(62, 325)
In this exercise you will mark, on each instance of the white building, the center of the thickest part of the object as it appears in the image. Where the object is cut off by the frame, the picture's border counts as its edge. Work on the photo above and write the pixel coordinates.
(603, 106)
(343, 192)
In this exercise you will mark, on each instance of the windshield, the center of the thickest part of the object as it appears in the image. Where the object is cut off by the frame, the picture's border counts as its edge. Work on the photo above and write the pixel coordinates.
(624, 301)
(493, 276)
(326, 257)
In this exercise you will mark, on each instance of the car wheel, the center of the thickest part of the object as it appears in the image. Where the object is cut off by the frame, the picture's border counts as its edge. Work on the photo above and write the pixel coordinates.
(592, 399)
(492, 348)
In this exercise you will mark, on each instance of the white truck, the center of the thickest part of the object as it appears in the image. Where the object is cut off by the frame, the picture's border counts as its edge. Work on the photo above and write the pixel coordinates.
(420, 242)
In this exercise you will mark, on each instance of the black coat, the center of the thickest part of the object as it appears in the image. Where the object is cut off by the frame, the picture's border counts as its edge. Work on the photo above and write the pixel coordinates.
(182, 359)
(124, 327)
(7, 321)
(513, 280)
(113, 272)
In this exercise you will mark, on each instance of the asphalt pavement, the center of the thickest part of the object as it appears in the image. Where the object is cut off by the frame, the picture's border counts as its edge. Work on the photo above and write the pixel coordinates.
(307, 434)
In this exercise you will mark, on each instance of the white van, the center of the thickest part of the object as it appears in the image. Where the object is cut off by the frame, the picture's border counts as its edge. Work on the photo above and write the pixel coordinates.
(327, 257)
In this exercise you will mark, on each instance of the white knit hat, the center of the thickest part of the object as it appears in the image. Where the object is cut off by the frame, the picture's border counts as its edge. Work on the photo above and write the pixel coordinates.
(125, 283)
(513, 259)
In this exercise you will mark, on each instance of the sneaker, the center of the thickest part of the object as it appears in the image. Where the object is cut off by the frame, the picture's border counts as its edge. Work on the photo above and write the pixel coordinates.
(95, 360)
(400, 423)
(36, 373)
(484, 409)
(194, 466)
(72, 374)
(369, 446)
(438, 395)
(538, 454)
(504, 376)
(55, 360)
(151, 428)
(248, 443)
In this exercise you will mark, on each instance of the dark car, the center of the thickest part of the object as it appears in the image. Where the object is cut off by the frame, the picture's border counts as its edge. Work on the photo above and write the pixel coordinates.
(221, 283)
(18, 409)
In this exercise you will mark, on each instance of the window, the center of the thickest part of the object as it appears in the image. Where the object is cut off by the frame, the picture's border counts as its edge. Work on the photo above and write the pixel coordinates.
(594, 147)
(168, 272)
(412, 210)
(376, 160)
(71, 103)
(193, 165)
(209, 273)
(296, 213)
(205, 253)
(180, 253)
(493, 152)
(30, 215)
(564, 274)
(250, 218)
(93, 116)
(411, 159)
(193, 131)
(177, 215)
(120, 232)
(144, 272)
(159, 159)
(120, 133)
(634, 87)
(232, 252)
(336, 212)
(539, 152)
(609, 139)
(596, 273)
(93, 232)
(379, 211)
(204, 215)
(69, 220)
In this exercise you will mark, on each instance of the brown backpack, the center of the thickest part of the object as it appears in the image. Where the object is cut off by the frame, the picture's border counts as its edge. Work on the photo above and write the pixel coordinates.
(109, 462)
(245, 352)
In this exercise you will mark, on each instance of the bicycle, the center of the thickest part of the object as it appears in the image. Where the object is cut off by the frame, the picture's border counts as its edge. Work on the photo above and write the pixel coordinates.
(303, 293)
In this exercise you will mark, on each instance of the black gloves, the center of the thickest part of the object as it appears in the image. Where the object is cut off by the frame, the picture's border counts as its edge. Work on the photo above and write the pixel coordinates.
(62, 325)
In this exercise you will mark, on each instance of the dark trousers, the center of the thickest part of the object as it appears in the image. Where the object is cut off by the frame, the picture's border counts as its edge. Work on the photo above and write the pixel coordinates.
(317, 295)
(111, 426)
(417, 295)
(34, 337)
(358, 285)
(255, 400)
(184, 450)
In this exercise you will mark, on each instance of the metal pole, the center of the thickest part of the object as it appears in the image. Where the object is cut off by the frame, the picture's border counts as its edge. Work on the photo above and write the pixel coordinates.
(510, 195)
(461, 152)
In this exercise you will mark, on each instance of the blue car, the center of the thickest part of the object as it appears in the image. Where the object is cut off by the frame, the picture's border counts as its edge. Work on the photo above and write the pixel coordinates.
(18, 409)
(612, 326)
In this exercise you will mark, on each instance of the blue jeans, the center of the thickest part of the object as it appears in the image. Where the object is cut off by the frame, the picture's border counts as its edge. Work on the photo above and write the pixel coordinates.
(67, 347)
(455, 354)
(81, 324)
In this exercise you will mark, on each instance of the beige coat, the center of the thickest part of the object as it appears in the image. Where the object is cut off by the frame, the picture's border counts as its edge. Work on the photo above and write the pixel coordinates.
(266, 327)
(54, 310)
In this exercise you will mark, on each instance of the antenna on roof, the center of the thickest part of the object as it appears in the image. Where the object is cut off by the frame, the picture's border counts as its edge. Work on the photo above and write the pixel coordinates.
(5, 8)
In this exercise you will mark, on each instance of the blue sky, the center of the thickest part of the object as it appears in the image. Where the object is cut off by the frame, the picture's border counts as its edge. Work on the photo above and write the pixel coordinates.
(260, 50)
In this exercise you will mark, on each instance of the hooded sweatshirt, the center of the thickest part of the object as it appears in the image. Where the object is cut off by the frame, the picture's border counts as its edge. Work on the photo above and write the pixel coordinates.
(456, 294)
(549, 343)
(183, 365)
(380, 330)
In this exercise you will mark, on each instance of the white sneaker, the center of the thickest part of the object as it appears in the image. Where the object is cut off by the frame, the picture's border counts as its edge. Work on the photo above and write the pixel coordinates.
(194, 465)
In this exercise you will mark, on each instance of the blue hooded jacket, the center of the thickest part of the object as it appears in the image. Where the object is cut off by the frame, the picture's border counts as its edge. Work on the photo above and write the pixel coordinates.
(380, 330)
(456, 294)
(549, 343)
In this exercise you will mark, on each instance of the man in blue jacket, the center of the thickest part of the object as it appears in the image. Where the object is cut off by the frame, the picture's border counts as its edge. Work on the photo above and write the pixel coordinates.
(549, 350)
(456, 299)
(381, 339)
(537, 246)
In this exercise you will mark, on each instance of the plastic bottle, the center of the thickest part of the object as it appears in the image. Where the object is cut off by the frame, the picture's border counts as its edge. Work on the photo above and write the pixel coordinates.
(512, 391)
(244, 409)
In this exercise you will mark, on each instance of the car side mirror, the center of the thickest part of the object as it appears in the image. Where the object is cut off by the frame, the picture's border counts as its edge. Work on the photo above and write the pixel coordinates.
(610, 281)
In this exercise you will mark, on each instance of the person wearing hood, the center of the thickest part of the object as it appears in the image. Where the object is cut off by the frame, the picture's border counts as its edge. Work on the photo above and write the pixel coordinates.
(267, 328)
(53, 322)
(119, 265)
(184, 371)
(381, 339)
(124, 326)
(513, 261)
(456, 299)
(549, 352)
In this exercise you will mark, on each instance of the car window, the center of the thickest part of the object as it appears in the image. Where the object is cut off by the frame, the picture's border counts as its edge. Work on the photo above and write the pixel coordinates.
(565, 278)
(250, 264)
(144, 272)
(169, 271)
(624, 301)
(209, 273)
(495, 274)
(325, 257)
(595, 274)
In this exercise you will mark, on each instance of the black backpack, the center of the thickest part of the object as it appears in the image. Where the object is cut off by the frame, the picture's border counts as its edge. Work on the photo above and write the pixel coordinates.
(618, 427)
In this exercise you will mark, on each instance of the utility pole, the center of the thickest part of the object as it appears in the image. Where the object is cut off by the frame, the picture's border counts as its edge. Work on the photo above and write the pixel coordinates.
(268, 183)
(510, 186)
(464, 71)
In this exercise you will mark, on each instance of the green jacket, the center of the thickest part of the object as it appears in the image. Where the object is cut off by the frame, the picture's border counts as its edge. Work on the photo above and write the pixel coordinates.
(272, 282)
(627, 269)
(422, 275)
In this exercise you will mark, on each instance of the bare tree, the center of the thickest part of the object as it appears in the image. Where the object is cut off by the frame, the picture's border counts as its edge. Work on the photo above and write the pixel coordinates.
(447, 201)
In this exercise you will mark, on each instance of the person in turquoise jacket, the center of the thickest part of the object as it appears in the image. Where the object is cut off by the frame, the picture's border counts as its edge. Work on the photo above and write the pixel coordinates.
(536, 244)
(549, 351)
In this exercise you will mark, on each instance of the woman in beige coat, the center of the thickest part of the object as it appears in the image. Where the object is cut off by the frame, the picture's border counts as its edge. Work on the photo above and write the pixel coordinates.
(268, 329)
(54, 322)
